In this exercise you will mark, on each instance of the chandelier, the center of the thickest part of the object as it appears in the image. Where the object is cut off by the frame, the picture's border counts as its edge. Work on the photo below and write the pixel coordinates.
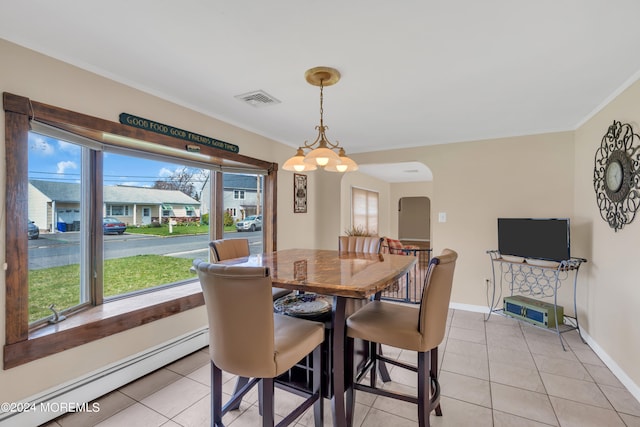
(322, 152)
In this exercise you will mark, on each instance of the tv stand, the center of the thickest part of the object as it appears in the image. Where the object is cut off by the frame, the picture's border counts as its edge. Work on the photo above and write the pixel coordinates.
(539, 280)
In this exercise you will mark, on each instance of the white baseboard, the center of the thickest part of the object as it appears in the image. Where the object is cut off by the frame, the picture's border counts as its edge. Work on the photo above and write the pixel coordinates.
(46, 406)
(469, 307)
(633, 388)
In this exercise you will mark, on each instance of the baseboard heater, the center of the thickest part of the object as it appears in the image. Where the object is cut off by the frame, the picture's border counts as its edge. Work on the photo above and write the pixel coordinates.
(533, 311)
(105, 380)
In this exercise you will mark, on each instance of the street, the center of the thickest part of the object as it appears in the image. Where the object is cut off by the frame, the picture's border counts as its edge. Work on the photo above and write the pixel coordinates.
(52, 250)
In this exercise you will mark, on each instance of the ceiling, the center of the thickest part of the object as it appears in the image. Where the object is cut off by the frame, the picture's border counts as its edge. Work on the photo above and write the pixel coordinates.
(414, 73)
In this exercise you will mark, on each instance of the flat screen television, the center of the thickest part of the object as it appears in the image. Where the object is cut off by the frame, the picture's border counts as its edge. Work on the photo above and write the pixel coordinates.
(538, 238)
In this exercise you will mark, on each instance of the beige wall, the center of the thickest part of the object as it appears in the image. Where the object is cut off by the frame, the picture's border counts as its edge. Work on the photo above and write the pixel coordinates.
(43, 79)
(474, 183)
(414, 218)
(611, 290)
(408, 189)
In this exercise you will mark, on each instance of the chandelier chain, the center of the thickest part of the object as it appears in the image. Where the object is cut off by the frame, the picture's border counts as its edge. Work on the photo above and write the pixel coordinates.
(321, 100)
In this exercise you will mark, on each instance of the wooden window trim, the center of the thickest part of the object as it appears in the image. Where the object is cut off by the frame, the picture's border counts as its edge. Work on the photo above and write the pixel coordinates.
(101, 321)
(23, 345)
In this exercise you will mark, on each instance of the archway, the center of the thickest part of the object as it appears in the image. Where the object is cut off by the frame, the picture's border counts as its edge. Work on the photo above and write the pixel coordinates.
(414, 221)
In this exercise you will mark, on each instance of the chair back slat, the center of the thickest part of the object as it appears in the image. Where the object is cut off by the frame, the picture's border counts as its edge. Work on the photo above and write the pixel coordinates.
(360, 244)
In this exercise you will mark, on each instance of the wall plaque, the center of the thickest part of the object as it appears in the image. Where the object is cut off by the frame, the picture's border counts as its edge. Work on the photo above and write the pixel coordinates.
(150, 125)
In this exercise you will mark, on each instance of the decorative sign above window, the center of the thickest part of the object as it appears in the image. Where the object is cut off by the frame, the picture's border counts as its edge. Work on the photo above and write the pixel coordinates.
(616, 175)
(146, 124)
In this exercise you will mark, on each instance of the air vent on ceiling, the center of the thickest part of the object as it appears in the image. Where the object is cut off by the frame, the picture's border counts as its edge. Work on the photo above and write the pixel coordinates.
(258, 98)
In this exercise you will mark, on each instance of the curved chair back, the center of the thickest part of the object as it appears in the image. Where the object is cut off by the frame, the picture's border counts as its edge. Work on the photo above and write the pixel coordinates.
(228, 248)
(359, 244)
(240, 312)
(436, 295)
(235, 248)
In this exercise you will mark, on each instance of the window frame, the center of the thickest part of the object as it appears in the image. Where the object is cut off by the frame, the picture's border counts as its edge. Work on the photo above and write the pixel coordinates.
(23, 344)
(366, 194)
(126, 210)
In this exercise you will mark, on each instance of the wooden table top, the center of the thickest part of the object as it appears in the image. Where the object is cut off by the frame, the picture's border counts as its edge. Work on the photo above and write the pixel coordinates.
(330, 272)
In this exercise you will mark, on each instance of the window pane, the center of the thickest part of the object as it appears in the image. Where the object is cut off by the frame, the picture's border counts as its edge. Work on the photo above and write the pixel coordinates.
(243, 215)
(153, 226)
(57, 236)
(364, 210)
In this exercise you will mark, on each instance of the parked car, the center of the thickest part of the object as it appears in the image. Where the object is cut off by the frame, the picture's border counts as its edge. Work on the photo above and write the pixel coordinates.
(250, 223)
(113, 225)
(32, 230)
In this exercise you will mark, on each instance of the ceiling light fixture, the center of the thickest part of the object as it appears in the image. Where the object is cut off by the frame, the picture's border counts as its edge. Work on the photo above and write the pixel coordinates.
(323, 153)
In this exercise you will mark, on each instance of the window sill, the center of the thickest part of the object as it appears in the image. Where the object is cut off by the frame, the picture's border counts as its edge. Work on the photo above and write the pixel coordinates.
(101, 321)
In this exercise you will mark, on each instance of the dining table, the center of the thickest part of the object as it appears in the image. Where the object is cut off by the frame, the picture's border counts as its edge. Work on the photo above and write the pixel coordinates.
(345, 278)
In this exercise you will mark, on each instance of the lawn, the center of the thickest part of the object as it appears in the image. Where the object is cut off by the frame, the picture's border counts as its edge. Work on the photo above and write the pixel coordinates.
(60, 285)
(163, 230)
(177, 230)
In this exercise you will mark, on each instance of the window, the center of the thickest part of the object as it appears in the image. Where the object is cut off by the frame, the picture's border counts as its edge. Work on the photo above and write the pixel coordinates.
(238, 194)
(364, 210)
(89, 144)
(165, 262)
(118, 210)
(58, 268)
(241, 211)
(167, 210)
(58, 205)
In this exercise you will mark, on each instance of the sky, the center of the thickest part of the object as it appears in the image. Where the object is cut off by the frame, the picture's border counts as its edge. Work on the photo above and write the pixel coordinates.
(51, 159)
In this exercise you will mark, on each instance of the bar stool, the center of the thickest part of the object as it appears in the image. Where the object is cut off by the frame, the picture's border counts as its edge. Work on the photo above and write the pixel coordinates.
(410, 328)
(235, 248)
(247, 339)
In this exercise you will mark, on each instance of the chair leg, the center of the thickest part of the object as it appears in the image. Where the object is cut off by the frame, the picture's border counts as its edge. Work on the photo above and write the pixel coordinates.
(434, 374)
(266, 390)
(216, 396)
(350, 376)
(424, 385)
(382, 367)
(375, 363)
(318, 406)
(240, 382)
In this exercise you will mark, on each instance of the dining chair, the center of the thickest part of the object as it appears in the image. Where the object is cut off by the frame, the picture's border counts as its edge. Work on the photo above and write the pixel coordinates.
(360, 244)
(419, 329)
(223, 249)
(247, 339)
(395, 246)
(228, 248)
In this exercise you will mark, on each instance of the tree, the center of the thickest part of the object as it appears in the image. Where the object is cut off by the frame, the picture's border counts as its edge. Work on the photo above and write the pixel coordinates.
(181, 180)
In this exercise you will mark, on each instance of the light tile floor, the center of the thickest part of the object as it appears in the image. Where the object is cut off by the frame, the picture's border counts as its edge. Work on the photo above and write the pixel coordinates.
(496, 373)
